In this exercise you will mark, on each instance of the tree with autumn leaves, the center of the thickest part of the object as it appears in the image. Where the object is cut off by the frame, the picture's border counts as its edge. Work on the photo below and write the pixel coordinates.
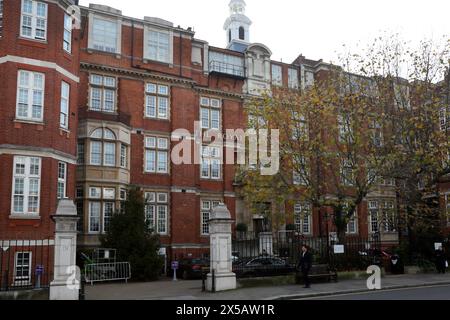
(374, 117)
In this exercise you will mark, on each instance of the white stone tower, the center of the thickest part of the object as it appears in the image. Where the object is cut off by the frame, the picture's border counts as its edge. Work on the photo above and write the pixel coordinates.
(237, 25)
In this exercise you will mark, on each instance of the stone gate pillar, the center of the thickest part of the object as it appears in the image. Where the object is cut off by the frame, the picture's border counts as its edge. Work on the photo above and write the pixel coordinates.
(220, 242)
(65, 285)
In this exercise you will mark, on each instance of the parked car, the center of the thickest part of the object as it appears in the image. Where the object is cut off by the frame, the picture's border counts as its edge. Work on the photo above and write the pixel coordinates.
(191, 268)
(262, 266)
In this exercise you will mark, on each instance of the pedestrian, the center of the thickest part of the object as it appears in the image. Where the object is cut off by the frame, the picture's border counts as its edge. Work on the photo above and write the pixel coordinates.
(304, 265)
(440, 260)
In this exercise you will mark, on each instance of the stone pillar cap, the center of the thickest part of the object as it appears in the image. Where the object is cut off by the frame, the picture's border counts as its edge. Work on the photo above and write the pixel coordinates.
(220, 212)
(66, 207)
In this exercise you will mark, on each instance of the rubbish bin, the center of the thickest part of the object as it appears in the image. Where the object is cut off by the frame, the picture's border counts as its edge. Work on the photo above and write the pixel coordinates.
(397, 266)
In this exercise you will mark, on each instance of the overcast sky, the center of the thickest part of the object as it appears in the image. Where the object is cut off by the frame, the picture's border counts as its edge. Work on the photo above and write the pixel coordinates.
(316, 28)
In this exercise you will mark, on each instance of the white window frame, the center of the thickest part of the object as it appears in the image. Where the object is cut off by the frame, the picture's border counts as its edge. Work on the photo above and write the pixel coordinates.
(211, 106)
(104, 218)
(92, 45)
(353, 221)
(157, 93)
(123, 155)
(157, 203)
(65, 102)
(20, 280)
(26, 176)
(103, 141)
(293, 82)
(34, 20)
(158, 148)
(302, 218)
(67, 36)
(373, 206)
(347, 169)
(210, 157)
(97, 194)
(103, 88)
(62, 179)
(206, 207)
(147, 51)
(31, 90)
(91, 217)
(277, 75)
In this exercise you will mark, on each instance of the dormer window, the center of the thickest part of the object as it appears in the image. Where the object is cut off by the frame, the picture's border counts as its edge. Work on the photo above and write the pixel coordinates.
(104, 34)
(158, 45)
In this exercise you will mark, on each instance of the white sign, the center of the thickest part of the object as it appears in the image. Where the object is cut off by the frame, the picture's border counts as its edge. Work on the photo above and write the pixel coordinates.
(339, 248)
(437, 245)
(162, 251)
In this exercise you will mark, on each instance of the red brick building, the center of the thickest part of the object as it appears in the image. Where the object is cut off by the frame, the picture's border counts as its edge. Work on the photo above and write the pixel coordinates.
(89, 105)
(39, 75)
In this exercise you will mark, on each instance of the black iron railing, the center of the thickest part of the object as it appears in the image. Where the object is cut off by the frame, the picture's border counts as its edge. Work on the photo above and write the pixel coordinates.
(227, 68)
(26, 264)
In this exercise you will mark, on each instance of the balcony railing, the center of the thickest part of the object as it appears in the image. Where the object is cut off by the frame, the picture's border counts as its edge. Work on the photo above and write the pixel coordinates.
(226, 68)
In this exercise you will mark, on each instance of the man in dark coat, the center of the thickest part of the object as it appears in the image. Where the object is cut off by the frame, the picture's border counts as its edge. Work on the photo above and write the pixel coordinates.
(440, 260)
(304, 264)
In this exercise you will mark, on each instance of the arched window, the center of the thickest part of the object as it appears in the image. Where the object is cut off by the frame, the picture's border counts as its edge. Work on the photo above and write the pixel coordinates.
(103, 148)
(241, 33)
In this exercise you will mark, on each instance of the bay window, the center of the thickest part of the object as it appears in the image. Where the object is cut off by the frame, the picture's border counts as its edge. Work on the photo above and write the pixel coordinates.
(103, 148)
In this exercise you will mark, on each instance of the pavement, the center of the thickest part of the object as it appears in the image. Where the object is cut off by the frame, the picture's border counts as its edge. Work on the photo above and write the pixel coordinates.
(167, 289)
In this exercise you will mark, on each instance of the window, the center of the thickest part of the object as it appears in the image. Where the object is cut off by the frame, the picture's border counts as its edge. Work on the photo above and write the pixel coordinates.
(67, 38)
(26, 185)
(299, 127)
(94, 217)
(373, 216)
(156, 154)
(158, 45)
(277, 75)
(444, 118)
(62, 180)
(211, 163)
(377, 134)
(302, 218)
(226, 63)
(30, 96)
(103, 152)
(22, 268)
(1, 18)
(345, 129)
(382, 213)
(293, 78)
(108, 211)
(123, 156)
(103, 93)
(210, 113)
(347, 176)
(34, 20)
(352, 226)
(156, 211)
(241, 33)
(80, 153)
(95, 193)
(105, 35)
(206, 208)
(64, 112)
(300, 171)
(157, 101)
(309, 79)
